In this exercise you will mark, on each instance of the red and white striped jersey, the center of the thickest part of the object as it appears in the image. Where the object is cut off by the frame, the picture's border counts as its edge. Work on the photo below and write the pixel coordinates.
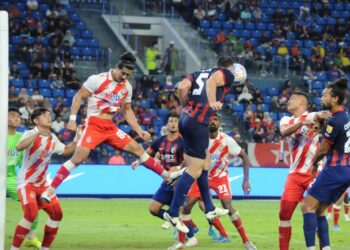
(303, 143)
(220, 149)
(36, 159)
(107, 95)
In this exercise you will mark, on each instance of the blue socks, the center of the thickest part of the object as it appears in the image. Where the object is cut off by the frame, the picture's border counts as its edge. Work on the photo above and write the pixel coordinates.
(310, 225)
(161, 213)
(182, 187)
(203, 185)
(322, 231)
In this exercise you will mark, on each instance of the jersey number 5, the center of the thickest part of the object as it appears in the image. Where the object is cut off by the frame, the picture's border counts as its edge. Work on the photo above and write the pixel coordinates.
(200, 81)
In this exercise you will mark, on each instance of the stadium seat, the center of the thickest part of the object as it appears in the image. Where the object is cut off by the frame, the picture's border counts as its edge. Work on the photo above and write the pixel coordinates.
(70, 93)
(261, 26)
(280, 115)
(256, 34)
(239, 25)
(87, 53)
(204, 24)
(216, 24)
(274, 116)
(265, 107)
(93, 43)
(317, 85)
(126, 128)
(228, 25)
(75, 52)
(24, 73)
(80, 26)
(58, 92)
(81, 43)
(246, 33)
(43, 83)
(221, 17)
(321, 76)
(87, 34)
(53, 101)
(163, 113)
(250, 26)
(18, 83)
(267, 99)
(308, 44)
(237, 107)
(46, 93)
(145, 104)
(273, 91)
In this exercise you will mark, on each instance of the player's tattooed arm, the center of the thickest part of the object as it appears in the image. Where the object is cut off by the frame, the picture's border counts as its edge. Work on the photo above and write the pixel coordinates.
(321, 152)
(184, 89)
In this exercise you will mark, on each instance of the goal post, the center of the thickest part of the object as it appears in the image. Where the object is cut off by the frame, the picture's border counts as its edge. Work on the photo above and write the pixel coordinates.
(4, 72)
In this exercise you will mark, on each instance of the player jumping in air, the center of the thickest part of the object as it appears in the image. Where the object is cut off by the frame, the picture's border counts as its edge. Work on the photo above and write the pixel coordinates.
(38, 145)
(170, 149)
(334, 179)
(221, 146)
(15, 160)
(193, 126)
(107, 94)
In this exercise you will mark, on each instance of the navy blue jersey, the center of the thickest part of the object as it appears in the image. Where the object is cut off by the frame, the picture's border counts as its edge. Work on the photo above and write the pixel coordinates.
(337, 132)
(198, 107)
(171, 152)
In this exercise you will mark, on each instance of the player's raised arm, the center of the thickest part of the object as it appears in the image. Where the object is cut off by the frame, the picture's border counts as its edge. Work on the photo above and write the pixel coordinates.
(27, 140)
(214, 81)
(184, 89)
(82, 94)
(287, 130)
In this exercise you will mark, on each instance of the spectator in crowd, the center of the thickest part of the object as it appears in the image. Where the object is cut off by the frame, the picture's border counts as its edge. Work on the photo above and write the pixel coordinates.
(14, 72)
(198, 15)
(73, 82)
(13, 96)
(152, 54)
(117, 159)
(334, 73)
(246, 15)
(169, 86)
(248, 117)
(240, 142)
(245, 97)
(58, 124)
(283, 99)
(58, 106)
(146, 117)
(69, 38)
(234, 131)
(65, 134)
(257, 97)
(27, 109)
(282, 50)
(56, 83)
(308, 77)
(37, 97)
(220, 39)
(170, 59)
(65, 113)
(259, 131)
(24, 95)
(267, 120)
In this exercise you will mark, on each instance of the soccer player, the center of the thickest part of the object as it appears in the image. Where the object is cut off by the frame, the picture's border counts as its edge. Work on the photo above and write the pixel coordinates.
(171, 151)
(107, 94)
(193, 126)
(38, 145)
(15, 160)
(221, 146)
(303, 141)
(334, 179)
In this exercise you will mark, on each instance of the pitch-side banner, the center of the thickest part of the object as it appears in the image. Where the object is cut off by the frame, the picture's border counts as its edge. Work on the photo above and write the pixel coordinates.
(122, 181)
(271, 155)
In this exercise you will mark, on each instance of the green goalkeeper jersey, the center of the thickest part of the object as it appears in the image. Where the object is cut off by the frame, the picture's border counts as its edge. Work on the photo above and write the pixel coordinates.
(14, 157)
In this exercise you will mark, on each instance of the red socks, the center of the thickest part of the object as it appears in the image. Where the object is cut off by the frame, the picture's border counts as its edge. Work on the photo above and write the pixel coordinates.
(239, 226)
(284, 237)
(153, 165)
(20, 235)
(49, 236)
(218, 225)
(60, 176)
(336, 211)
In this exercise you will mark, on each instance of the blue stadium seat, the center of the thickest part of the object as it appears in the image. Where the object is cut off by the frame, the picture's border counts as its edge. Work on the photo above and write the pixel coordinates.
(157, 123)
(250, 26)
(87, 53)
(261, 26)
(93, 43)
(331, 21)
(81, 43)
(267, 99)
(246, 33)
(274, 116)
(265, 107)
(204, 24)
(153, 111)
(70, 9)
(321, 76)
(18, 83)
(70, 93)
(44, 40)
(239, 25)
(308, 44)
(265, 18)
(256, 34)
(37, 15)
(273, 91)
(80, 26)
(321, 20)
(280, 115)
(53, 102)
(216, 24)
(271, 26)
(211, 33)
(43, 7)
(228, 25)
(75, 52)
(284, 5)
(46, 93)
(145, 104)
(15, 39)
(24, 73)
(306, 52)
(58, 92)
(317, 85)
(237, 107)
(126, 128)
(221, 17)
(43, 83)
(229, 98)
(87, 34)
(163, 113)
(75, 17)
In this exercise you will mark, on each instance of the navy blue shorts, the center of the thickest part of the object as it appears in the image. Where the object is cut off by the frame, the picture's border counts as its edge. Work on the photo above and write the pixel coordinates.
(330, 184)
(164, 194)
(195, 136)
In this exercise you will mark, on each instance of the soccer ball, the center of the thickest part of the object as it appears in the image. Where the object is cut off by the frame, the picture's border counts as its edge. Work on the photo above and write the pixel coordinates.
(239, 73)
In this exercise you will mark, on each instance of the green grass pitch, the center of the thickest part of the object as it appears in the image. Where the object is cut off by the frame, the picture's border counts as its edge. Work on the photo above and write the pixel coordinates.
(126, 224)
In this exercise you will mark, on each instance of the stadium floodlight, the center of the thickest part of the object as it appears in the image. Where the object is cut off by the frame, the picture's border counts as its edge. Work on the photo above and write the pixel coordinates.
(4, 72)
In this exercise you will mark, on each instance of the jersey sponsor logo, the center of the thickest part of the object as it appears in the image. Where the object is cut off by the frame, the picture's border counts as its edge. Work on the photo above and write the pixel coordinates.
(123, 91)
(329, 129)
(214, 157)
(12, 153)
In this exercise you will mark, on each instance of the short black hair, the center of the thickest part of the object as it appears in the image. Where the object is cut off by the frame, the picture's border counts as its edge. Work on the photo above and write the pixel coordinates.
(173, 115)
(339, 88)
(38, 112)
(216, 115)
(127, 60)
(298, 92)
(14, 109)
(224, 61)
